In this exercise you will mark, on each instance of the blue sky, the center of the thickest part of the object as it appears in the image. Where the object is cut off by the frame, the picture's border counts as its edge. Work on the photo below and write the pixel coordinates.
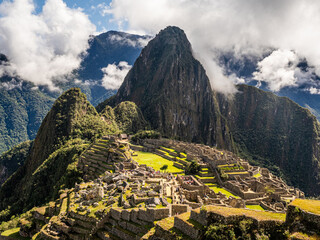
(93, 8)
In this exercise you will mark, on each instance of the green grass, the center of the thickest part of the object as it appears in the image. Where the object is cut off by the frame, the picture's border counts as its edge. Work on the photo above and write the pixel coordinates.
(217, 189)
(255, 207)
(64, 205)
(13, 233)
(155, 161)
(257, 175)
(169, 149)
(258, 215)
(234, 173)
(204, 177)
(183, 154)
(312, 206)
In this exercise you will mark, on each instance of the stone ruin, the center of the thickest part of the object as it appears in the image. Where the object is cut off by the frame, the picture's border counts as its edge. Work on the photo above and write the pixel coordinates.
(254, 185)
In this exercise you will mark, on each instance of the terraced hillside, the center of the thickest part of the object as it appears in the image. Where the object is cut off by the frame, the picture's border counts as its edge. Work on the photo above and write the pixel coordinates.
(102, 155)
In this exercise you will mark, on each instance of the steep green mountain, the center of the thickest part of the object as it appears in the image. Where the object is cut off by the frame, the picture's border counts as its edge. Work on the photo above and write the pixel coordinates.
(173, 91)
(129, 117)
(175, 96)
(276, 132)
(64, 133)
(11, 160)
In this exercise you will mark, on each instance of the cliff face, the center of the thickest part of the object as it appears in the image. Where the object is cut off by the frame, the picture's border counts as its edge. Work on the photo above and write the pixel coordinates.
(173, 91)
(276, 132)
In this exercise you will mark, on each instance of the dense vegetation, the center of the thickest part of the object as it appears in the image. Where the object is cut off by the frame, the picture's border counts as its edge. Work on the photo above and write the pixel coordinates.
(244, 230)
(22, 110)
(146, 134)
(125, 117)
(11, 160)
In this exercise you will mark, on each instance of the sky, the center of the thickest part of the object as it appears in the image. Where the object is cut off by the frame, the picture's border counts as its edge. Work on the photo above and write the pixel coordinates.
(44, 39)
(94, 9)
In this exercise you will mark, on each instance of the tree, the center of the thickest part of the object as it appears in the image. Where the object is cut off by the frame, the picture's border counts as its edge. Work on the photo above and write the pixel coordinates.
(164, 167)
(192, 168)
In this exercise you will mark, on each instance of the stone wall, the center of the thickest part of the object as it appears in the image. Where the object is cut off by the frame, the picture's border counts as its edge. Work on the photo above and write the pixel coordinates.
(179, 208)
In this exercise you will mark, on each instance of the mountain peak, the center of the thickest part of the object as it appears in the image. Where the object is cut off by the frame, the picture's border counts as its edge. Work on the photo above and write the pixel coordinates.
(172, 89)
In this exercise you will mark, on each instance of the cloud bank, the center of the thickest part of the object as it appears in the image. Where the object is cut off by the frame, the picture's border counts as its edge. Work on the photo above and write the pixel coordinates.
(45, 46)
(241, 26)
(114, 75)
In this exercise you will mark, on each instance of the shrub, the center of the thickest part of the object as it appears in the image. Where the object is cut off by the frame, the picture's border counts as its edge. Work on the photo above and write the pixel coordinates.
(150, 134)
(192, 168)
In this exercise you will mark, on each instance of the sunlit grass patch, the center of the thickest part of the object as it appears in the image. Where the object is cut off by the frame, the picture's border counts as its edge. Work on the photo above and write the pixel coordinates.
(255, 207)
(312, 206)
(217, 189)
(155, 161)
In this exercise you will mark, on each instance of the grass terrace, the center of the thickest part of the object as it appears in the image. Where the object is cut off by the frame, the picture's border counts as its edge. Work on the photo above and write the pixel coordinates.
(155, 161)
(258, 215)
(13, 234)
(217, 189)
(169, 149)
(257, 175)
(255, 207)
(312, 206)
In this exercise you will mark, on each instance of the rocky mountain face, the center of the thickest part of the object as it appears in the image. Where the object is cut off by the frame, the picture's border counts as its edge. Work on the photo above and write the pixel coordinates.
(173, 91)
(107, 48)
(175, 96)
(277, 133)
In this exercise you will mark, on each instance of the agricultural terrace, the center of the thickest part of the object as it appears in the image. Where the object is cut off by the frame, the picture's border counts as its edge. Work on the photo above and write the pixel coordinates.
(155, 161)
(255, 207)
(312, 206)
(258, 215)
(218, 189)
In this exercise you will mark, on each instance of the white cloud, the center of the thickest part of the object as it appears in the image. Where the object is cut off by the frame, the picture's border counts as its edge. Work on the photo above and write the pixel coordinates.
(242, 26)
(125, 40)
(11, 84)
(278, 69)
(114, 75)
(45, 46)
(313, 90)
